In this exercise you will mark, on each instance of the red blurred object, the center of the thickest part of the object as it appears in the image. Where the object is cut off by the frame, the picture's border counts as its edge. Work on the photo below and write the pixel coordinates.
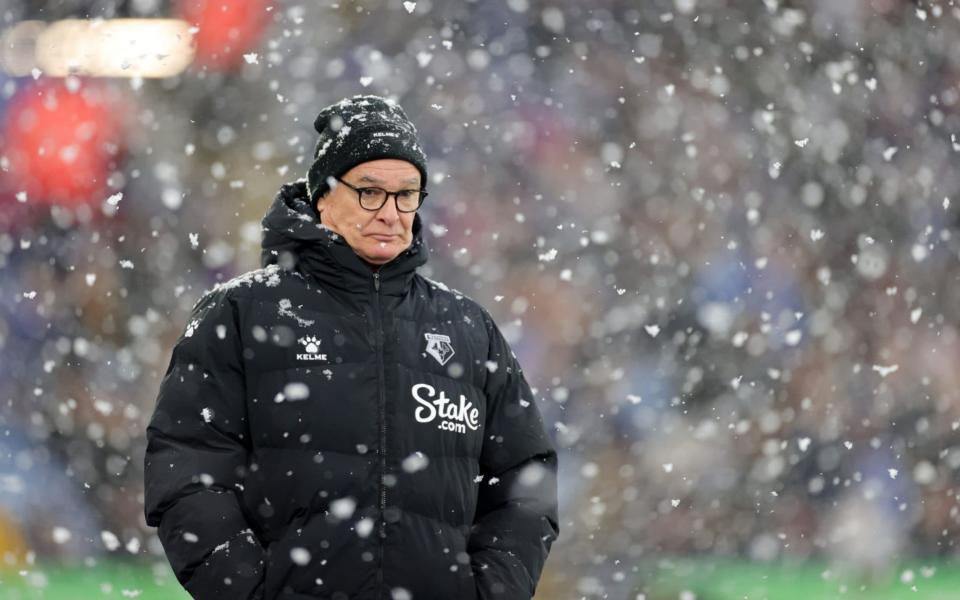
(227, 28)
(62, 145)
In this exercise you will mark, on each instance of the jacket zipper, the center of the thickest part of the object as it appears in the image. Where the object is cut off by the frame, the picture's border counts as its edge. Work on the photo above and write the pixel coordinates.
(383, 424)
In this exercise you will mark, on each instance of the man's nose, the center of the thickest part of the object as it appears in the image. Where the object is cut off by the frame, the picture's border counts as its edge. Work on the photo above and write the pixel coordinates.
(388, 212)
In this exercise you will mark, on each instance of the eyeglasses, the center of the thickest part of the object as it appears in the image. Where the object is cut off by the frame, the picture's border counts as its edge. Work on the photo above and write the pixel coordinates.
(373, 198)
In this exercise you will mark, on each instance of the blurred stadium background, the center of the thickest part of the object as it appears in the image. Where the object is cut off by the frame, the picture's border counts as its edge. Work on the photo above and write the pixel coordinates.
(719, 236)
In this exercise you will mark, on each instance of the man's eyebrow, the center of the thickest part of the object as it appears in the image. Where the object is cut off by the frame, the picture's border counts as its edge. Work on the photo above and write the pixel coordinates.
(372, 179)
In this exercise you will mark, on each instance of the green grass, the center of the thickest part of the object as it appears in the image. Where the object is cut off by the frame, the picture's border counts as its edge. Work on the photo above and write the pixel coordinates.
(742, 580)
(106, 579)
(667, 579)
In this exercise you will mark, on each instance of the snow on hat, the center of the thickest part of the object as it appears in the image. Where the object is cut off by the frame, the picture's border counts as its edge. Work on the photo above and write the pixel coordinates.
(360, 129)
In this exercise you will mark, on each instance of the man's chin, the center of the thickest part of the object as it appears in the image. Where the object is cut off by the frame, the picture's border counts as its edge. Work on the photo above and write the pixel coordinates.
(380, 256)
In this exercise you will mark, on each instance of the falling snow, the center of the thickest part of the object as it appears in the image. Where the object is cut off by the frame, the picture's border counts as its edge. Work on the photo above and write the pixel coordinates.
(719, 238)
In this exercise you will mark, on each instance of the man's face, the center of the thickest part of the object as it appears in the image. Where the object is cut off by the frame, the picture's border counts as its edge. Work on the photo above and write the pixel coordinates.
(376, 236)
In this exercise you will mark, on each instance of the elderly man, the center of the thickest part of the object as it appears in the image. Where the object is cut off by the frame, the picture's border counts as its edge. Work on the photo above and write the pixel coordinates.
(335, 425)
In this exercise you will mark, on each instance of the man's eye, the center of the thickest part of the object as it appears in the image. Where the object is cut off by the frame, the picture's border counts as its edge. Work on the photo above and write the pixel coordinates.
(405, 194)
(370, 192)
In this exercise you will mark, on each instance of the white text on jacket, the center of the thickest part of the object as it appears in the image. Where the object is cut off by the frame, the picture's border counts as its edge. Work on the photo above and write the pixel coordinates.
(457, 416)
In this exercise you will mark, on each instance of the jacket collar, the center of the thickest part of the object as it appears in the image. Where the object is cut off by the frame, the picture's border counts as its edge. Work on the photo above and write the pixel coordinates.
(294, 239)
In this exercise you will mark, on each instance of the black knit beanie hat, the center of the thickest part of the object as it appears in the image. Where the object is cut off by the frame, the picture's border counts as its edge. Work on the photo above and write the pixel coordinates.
(357, 130)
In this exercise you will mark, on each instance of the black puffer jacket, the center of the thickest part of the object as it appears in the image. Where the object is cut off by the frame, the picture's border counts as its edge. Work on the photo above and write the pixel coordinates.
(324, 431)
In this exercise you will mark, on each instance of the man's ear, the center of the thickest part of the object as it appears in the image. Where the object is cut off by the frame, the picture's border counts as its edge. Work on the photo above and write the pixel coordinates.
(316, 206)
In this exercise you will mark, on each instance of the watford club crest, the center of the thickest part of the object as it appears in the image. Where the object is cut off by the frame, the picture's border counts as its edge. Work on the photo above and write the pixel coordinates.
(439, 347)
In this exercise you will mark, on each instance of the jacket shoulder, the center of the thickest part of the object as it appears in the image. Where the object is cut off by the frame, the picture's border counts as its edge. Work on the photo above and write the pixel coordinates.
(446, 299)
(438, 291)
(251, 283)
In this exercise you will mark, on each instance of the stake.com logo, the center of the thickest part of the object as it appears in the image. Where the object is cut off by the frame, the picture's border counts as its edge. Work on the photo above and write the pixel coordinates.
(457, 416)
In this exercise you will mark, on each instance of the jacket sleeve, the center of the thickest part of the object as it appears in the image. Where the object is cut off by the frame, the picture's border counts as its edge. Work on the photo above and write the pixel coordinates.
(516, 518)
(196, 458)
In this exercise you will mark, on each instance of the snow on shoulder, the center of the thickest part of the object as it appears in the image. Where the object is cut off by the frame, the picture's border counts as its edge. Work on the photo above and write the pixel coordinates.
(444, 287)
(268, 276)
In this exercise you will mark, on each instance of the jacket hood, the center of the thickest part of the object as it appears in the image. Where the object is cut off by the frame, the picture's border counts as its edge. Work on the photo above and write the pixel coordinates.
(294, 238)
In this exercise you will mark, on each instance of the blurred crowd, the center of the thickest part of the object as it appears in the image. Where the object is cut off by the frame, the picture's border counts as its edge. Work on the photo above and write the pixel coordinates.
(718, 235)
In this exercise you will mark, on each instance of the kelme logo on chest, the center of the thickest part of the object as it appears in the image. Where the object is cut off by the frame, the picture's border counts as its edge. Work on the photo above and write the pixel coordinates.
(311, 349)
